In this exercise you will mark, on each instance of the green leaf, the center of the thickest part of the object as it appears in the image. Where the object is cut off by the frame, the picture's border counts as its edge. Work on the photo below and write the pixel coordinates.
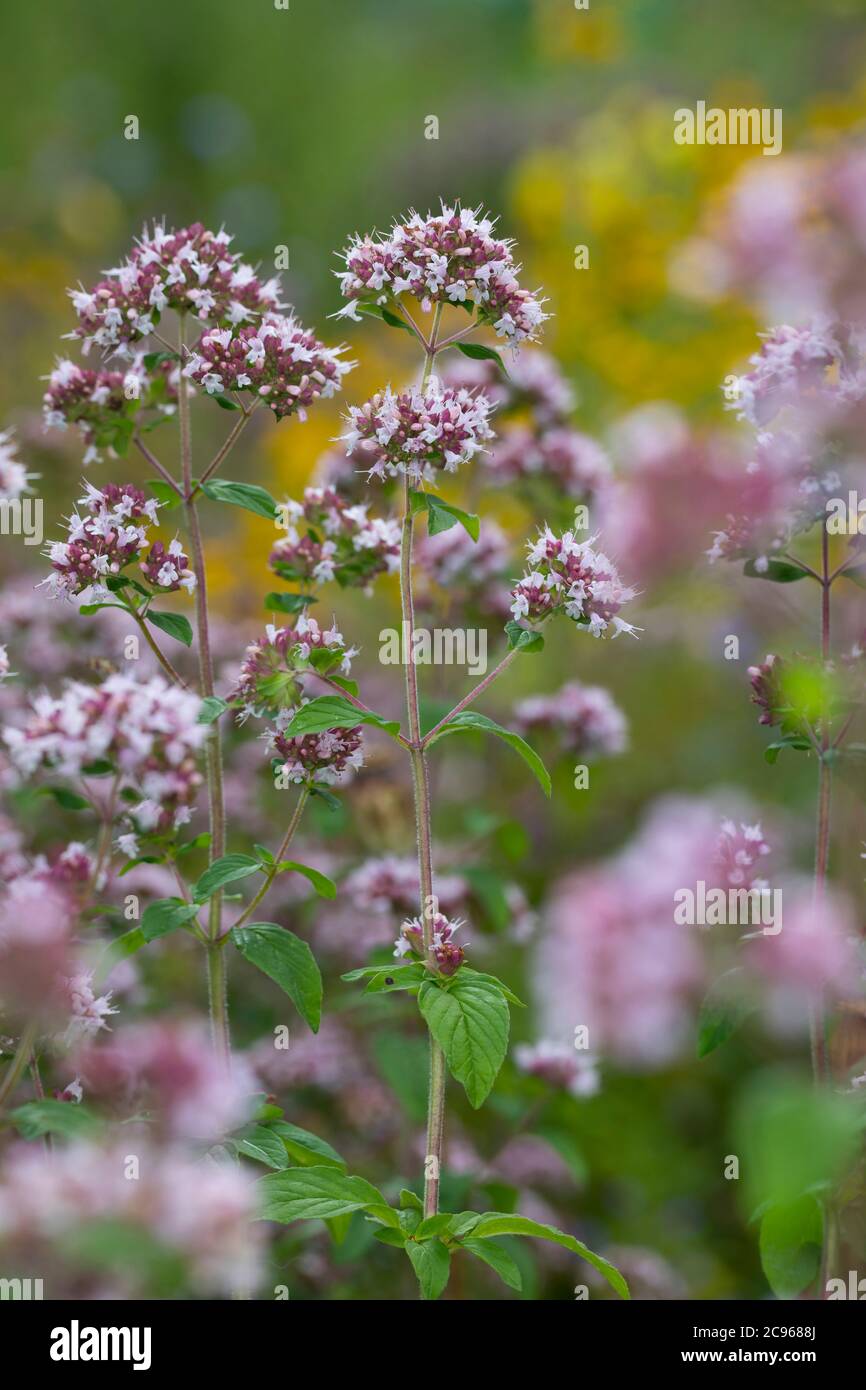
(442, 515)
(164, 916)
(320, 1193)
(225, 403)
(247, 495)
(70, 801)
(481, 354)
(468, 721)
(100, 768)
(779, 571)
(264, 1146)
(211, 709)
(351, 687)
(466, 973)
(332, 802)
(721, 1012)
(498, 1258)
(334, 712)
(790, 1243)
(432, 1226)
(305, 1148)
(164, 494)
(497, 1223)
(288, 961)
(324, 886)
(288, 603)
(116, 582)
(390, 981)
(228, 869)
(40, 1117)
(772, 751)
(470, 1021)
(175, 624)
(379, 312)
(410, 1201)
(431, 1261)
(523, 639)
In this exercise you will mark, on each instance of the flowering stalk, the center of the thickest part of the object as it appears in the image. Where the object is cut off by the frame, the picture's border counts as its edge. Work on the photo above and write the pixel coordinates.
(421, 792)
(216, 964)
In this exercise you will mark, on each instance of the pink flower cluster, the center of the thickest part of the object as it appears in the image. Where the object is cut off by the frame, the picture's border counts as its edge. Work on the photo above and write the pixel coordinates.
(446, 258)
(147, 729)
(325, 757)
(586, 719)
(202, 1211)
(791, 367)
(536, 443)
(562, 1067)
(471, 574)
(279, 360)
(446, 952)
(568, 576)
(738, 853)
(327, 539)
(110, 535)
(104, 404)
(14, 478)
(419, 433)
(610, 957)
(171, 1071)
(271, 667)
(87, 1011)
(190, 270)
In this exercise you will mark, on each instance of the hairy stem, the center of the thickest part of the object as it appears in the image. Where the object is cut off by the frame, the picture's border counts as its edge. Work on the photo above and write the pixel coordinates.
(421, 792)
(818, 1035)
(217, 992)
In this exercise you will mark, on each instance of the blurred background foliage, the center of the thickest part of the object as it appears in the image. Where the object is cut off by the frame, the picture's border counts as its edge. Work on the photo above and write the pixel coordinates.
(299, 127)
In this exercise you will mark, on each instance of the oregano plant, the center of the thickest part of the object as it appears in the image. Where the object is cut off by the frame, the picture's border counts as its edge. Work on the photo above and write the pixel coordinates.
(190, 324)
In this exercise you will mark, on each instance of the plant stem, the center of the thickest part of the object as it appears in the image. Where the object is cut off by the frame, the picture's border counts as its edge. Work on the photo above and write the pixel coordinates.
(193, 491)
(217, 992)
(472, 696)
(821, 1069)
(173, 675)
(274, 869)
(421, 793)
(817, 1026)
(18, 1065)
(155, 464)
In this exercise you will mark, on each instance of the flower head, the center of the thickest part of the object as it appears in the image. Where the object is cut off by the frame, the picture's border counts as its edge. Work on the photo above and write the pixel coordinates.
(321, 757)
(105, 405)
(107, 535)
(419, 433)
(14, 478)
(448, 955)
(560, 1066)
(189, 270)
(585, 717)
(269, 676)
(148, 729)
(450, 257)
(277, 359)
(326, 539)
(569, 576)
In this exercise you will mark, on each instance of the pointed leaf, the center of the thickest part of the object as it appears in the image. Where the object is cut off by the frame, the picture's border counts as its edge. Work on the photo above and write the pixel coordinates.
(470, 1021)
(468, 721)
(288, 961)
